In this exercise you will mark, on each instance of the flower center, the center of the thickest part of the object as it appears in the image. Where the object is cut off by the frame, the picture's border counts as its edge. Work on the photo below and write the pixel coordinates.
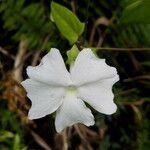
(71, 89)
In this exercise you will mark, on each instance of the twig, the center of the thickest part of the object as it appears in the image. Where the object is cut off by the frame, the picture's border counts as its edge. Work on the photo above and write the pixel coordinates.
(126, 92)
(134, 61)
(73, 6)
(35, 58)
(137, 111)
(101, 39)
(23, 60)
(65, 143)
(121, 49)
(99, 21)
(19, 58)
(144, 77)
(137, 103)
(40, 141)
(1, 69)
(83, 139)
(5, 52)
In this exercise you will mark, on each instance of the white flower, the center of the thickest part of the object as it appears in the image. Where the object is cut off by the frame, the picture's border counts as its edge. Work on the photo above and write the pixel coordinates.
(52, 88)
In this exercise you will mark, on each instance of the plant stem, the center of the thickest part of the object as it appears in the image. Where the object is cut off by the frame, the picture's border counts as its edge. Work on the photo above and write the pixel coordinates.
(121, 49)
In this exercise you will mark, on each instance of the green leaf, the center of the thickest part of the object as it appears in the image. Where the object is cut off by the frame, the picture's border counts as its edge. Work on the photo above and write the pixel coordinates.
(137, 12)
(5, 135)
(16, 145)
(94, 49)
(72, 54)
(146, 63)
(66, 21)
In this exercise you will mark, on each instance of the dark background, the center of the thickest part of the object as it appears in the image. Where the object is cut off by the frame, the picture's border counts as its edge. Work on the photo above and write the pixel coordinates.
(26, 34)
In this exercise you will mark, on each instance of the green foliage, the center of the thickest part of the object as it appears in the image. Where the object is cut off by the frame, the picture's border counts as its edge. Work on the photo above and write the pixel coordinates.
(5, 135)
(16, 145)
(11, 133)
(126, 36)
(67, 23)
(72, 54)
(143, 135)
(137, 12)
(29, 22)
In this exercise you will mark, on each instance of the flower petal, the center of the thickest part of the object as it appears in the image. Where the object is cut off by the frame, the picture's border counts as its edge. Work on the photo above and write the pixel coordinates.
(88, 68)
(99, 95)
(45, 99)
(51, 70)
(72, 111)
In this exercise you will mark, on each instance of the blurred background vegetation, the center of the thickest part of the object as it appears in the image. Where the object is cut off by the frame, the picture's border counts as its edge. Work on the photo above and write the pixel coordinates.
(27, 33)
